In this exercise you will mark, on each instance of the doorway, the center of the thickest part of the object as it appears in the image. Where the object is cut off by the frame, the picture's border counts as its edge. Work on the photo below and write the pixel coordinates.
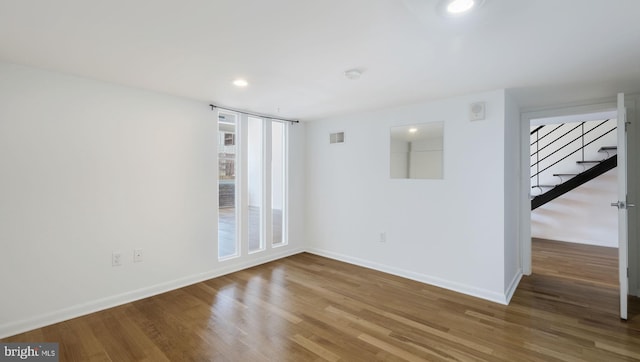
(574, 178)
(558, 261)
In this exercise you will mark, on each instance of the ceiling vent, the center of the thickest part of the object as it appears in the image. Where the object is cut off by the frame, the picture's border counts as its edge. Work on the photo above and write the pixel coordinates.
(337, 137)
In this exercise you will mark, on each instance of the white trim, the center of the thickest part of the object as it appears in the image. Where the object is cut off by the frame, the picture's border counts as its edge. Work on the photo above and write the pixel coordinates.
(423, 278)
(526, 115)
(266, 216)
(623, 214)
(568, 109)
(285, 186)
(79, 310)
(61, 315)
(242, 186)
(513, 286)
(525, 196)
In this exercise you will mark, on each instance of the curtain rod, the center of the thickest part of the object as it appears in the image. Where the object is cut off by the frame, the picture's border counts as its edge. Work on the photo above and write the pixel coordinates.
(213, 106)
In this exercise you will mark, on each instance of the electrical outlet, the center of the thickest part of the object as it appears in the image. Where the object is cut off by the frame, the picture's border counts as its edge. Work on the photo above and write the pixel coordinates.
(137, 255)
(116, 258)
(383, 237)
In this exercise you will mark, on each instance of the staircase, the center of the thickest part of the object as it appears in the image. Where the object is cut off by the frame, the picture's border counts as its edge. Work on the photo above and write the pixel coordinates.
(568, 155)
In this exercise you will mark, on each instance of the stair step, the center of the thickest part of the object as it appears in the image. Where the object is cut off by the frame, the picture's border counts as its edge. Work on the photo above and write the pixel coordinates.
(608, 148)
(583, 162)
(591, 173)
(548, 186)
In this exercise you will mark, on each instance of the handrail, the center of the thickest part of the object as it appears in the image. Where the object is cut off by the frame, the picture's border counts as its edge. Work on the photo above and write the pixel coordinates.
(568, 143)
(536, 130)
(545, 135)
(581, 148)
(550, 143)
(582, 177)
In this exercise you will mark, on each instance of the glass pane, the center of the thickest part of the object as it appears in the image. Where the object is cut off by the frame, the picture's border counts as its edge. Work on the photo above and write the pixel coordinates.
(417, 151)
(278, 173)
(255, 182)
(227, 190)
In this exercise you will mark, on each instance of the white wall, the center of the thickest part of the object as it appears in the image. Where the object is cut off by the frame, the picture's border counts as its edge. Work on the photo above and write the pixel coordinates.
(89, 168)
(297, 184)
(583, 215)
(448, 232)
(513, 196)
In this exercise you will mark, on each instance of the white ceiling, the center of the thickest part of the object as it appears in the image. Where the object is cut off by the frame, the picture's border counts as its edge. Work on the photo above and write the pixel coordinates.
(294, 52)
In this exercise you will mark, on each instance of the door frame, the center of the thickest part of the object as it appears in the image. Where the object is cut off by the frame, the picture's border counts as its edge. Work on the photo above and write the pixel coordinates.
(623, 214)
(526, 115)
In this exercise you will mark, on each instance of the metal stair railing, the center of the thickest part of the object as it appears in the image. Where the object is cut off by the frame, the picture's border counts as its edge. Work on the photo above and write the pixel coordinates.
(566, 145)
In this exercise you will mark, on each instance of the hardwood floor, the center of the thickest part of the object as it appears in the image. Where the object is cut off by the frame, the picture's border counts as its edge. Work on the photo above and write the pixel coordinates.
(309, 308)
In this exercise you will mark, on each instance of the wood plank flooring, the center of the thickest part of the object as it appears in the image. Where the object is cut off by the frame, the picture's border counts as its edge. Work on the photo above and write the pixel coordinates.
(309, 308)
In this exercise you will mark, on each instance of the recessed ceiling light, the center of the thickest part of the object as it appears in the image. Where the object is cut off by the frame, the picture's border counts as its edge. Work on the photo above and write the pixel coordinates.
(413, 130)
(240, 82)
(455, 8)
(460, 6)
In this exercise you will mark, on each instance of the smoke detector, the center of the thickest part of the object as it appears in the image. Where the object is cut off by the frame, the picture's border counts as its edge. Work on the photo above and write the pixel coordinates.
(352, 74)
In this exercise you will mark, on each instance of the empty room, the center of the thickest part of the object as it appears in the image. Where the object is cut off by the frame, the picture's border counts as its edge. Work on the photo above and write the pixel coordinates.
(357, 180)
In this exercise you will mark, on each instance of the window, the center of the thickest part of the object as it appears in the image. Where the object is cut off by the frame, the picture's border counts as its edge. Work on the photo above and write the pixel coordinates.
(227, 187)
(229, 139)
(278, 184)
(252, 187)
(255, 158)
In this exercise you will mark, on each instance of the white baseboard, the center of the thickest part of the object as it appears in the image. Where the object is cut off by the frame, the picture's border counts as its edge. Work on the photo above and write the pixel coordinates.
(513, 285)
(438, 282)
(230, 266)
(227, 267)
